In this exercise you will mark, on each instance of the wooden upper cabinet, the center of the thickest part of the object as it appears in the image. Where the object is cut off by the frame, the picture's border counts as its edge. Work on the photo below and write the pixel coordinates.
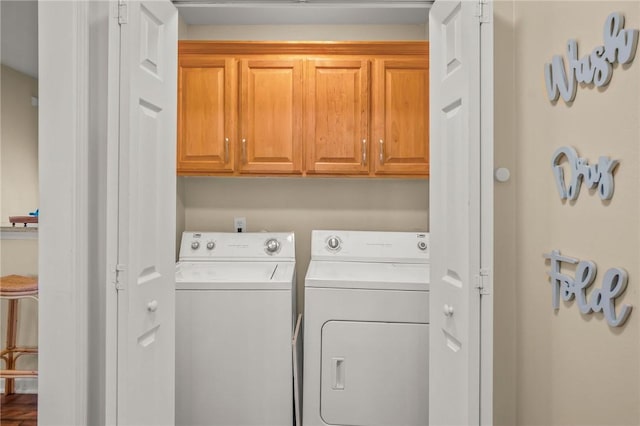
(207, 105)
(337, 116)
(303, 108)
(401, 116)
(270, 116)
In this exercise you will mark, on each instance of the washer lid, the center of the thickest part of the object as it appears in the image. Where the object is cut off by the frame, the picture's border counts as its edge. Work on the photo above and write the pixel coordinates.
(365, 275)
(235, 275)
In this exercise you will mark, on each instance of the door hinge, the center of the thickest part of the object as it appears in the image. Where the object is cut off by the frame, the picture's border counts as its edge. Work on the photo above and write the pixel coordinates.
(481, 11)
(482, 281)
(117, 270)
(123, 13)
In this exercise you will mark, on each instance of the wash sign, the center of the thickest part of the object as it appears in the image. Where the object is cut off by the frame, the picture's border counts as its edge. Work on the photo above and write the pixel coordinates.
(595, 68)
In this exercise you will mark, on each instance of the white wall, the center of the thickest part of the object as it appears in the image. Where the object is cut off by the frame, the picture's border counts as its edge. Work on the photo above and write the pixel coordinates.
(19, 196)
(569, 368)
(19, 148)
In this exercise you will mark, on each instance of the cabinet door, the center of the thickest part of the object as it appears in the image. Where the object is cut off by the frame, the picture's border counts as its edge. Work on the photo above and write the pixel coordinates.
(207, 102)
(401, 116)
(337, 116)
(271, 116)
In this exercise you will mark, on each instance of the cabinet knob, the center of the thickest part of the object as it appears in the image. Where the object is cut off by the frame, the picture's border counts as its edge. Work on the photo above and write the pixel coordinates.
(381, 151)
(226, 150)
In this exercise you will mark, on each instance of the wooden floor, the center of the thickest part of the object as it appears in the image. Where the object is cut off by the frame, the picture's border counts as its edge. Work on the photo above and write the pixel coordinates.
(19, 409)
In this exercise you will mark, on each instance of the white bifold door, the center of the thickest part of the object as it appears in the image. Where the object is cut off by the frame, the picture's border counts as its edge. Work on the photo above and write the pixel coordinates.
(457, 273)
(147, 33)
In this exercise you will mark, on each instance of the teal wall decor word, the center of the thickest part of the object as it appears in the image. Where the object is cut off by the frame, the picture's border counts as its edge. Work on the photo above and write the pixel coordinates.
(597, 67)
(614, 283)
(600, 174)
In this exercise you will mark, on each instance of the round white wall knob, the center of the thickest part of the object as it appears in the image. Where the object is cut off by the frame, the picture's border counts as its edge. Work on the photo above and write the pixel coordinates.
(502, 174)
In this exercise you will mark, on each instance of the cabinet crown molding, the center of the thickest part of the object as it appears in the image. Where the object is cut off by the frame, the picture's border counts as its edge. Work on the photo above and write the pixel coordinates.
(216, 47)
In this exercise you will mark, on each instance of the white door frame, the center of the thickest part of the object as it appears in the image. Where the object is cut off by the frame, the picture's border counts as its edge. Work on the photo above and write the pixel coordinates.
(62, 246)
(486, 214)
(73, 278)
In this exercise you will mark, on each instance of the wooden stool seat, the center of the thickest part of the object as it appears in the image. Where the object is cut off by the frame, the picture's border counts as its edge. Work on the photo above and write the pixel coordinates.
(15, 287)
(18, 286)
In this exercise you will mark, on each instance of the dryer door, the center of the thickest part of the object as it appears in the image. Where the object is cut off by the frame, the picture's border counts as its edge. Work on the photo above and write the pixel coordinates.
(375, 373)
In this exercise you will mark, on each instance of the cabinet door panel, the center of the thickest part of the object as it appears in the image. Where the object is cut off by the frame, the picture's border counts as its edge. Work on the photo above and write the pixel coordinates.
(271, 116)
(401, 117)
(337, 116)
(206, 119)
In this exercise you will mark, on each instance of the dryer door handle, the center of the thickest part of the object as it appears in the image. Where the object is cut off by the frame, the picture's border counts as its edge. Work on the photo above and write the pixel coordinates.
(337, 371)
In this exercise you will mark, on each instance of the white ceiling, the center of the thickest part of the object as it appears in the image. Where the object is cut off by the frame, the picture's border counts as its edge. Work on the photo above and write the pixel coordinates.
(19, 26)
(19, 35)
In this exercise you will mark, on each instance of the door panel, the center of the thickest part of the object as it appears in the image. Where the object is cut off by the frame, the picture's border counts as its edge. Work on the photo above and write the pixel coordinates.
(337, 116)
(207, 101)
(271, 116)
(375, 373)
(455, 214)
(401, 114)
(146, 218)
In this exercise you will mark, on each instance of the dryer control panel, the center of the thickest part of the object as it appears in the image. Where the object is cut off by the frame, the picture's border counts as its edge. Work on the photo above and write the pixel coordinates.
(371, 246)
(208, 246)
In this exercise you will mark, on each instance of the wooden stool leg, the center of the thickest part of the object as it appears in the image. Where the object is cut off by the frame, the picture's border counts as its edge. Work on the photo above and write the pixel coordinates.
(12, 325)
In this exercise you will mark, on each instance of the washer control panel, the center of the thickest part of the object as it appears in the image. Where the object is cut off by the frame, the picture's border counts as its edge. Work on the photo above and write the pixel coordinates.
(241, 246)
(371, 245)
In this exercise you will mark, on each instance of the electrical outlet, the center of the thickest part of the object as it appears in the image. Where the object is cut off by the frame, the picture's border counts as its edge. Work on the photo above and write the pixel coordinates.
(240, 224)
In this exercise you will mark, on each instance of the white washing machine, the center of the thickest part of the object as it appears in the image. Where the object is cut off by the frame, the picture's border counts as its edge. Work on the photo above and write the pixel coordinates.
(235, 308)
(366, 332)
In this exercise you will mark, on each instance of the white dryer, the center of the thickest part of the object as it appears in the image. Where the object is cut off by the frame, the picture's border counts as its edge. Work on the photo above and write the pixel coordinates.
(366, 332)
(235, 308)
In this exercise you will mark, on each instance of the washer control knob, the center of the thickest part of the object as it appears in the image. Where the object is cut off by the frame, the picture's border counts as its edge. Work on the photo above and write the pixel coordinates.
(422, 245)
(272, 246)
(333, 243)
(211, 245)
(195, 245)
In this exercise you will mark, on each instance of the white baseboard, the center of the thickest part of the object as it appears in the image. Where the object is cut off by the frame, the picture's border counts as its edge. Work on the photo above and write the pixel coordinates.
(24, 385)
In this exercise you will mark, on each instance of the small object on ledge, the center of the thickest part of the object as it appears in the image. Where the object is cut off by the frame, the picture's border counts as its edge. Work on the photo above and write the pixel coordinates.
(23, 219)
